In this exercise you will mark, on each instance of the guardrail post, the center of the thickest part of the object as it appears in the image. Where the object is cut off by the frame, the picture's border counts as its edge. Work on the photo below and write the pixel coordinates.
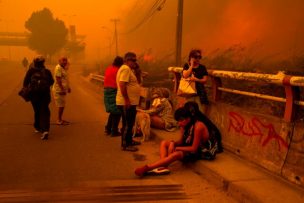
(292, 93)
(216, 82)
(177, 77)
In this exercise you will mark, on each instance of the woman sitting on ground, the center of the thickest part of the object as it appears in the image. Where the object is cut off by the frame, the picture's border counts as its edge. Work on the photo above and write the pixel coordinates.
(161, 113)
(214, 132)
(194, 135)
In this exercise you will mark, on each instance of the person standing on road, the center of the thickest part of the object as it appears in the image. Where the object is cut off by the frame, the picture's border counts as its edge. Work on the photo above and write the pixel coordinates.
(195, 71)
(25, 62)
(127, 98)
(190, 146)
(110, 92)
(61, 88)
(40, 79)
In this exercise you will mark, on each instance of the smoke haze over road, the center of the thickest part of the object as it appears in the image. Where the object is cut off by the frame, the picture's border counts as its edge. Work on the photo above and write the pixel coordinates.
(266, 29)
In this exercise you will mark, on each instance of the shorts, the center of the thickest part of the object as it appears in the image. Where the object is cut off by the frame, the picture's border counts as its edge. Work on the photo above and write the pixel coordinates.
(59, 99)
(190, 157)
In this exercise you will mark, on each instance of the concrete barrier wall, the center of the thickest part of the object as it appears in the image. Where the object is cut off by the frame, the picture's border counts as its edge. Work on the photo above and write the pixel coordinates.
(266, 140)
(274, 143)
(293, 169)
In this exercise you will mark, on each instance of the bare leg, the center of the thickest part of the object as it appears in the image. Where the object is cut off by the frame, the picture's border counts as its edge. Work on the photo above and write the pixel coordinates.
(60, 113)
(177, 155)
(157, 122)
(171, 148)
(167, 156)
(164, 149)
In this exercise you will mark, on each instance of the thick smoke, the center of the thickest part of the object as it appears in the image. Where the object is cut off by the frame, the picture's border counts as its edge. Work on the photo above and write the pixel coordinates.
(265, 32)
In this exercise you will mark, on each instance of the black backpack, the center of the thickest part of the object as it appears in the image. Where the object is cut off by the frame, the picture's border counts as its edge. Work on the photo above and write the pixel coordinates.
(39, 81)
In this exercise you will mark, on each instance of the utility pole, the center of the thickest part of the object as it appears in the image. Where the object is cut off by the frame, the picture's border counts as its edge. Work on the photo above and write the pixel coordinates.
(179, 32)
(115, 20)
(109, 38)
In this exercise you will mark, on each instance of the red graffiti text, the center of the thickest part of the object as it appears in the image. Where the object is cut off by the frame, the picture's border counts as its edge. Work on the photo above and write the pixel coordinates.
(255, 127)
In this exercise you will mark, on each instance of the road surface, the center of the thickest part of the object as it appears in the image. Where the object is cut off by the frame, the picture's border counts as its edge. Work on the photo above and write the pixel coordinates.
(79, 163)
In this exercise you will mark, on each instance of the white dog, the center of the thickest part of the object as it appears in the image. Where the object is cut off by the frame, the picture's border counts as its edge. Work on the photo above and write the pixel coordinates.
(142, 125)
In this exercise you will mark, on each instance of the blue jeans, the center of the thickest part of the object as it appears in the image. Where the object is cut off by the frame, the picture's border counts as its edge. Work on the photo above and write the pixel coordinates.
(128, 120)
(112, 124)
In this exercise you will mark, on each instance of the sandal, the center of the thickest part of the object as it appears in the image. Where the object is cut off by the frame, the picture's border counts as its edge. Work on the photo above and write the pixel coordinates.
(63, 122)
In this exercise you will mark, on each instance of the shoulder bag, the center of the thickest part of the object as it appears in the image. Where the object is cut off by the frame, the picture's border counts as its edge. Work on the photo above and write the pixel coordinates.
(25, 93)
(186, 88)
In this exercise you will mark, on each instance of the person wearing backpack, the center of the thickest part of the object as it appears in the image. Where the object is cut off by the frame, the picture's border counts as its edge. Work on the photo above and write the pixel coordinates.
(39, 80)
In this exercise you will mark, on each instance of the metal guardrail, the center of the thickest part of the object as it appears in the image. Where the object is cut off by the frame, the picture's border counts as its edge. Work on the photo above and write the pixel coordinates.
(279, 78)
(291, 83)
(97, 77)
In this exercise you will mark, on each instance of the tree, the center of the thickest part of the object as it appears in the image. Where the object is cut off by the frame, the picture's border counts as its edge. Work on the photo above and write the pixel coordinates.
(47, 35)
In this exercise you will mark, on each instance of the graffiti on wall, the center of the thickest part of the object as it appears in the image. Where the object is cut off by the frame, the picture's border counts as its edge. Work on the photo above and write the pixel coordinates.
(255, 127)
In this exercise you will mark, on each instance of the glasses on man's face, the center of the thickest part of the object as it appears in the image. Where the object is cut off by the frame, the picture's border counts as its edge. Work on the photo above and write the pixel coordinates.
(197, 57)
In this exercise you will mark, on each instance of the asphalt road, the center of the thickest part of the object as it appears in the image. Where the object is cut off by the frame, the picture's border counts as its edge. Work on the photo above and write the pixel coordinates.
(78, 162)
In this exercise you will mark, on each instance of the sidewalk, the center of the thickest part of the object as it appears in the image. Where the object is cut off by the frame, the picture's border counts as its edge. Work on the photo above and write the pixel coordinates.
(241, 179)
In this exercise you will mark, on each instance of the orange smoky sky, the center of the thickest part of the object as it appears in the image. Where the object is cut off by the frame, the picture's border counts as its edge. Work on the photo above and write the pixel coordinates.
(265, 28)
(277, 26)
(91, 17)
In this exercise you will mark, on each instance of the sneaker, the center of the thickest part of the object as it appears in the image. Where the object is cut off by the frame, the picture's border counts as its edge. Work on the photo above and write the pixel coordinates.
(45, 135)
(130, 148)
(141, 170)
(160, 171)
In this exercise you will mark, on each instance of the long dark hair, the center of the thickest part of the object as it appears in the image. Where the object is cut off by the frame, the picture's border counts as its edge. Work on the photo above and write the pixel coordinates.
(214, 132)
(183, 113)
(118, 61)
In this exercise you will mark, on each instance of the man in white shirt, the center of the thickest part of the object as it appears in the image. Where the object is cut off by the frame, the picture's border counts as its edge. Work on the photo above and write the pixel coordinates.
(61, 87)
(127, 98)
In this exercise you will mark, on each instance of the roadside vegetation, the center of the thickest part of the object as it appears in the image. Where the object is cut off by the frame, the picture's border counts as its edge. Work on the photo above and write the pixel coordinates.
(235, 58)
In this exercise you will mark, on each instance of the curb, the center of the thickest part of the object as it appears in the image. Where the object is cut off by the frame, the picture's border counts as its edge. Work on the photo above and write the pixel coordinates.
(238, 193)
(241, 179)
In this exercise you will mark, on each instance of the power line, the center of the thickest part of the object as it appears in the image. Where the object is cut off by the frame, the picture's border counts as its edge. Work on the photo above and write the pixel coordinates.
(154, 6)
(137, 6)
(157, 6)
